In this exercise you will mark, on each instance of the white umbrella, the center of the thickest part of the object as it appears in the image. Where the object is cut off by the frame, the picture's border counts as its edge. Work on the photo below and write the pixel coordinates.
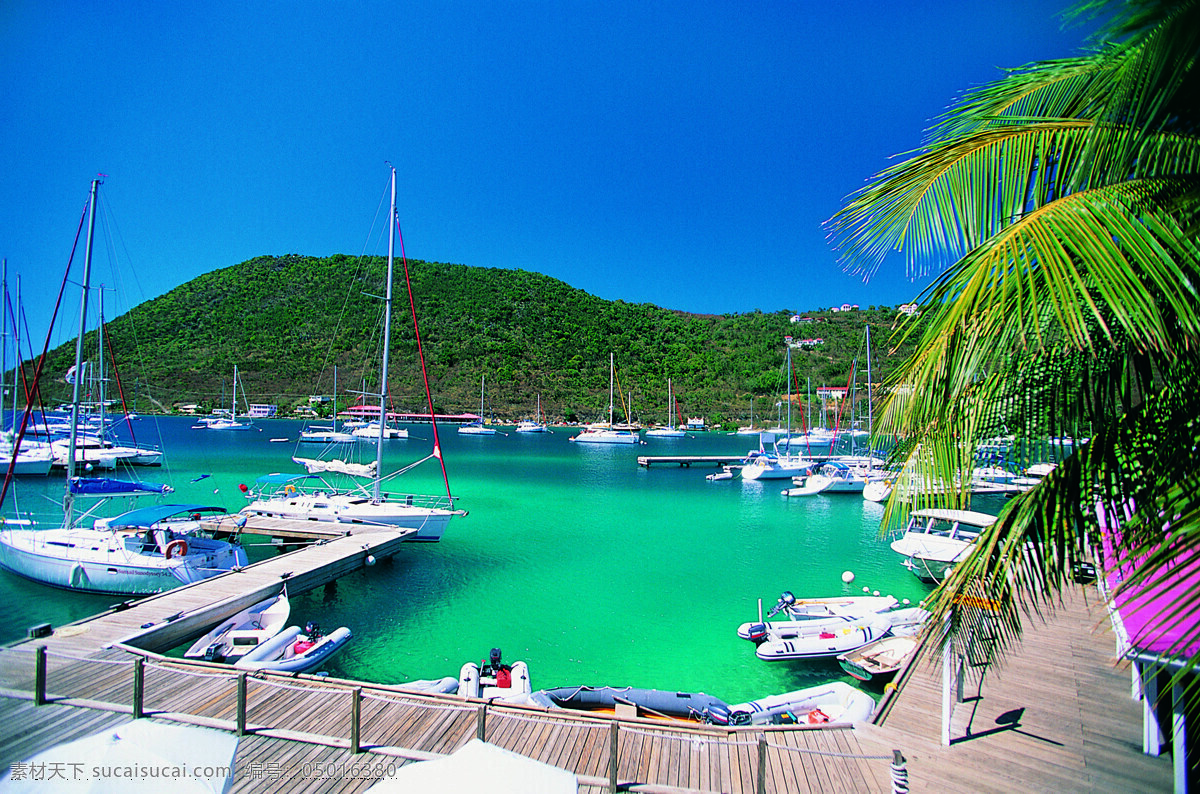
(141, 755)
(479, 766)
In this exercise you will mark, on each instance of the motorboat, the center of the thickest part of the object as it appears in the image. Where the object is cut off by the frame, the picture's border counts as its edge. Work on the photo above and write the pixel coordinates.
(935, 539)
(495, 680)
(656, 703)
(141, 552)
(233, 638)
(810, 611)
(326, 435)
(370, 432)
(879, 661)
(797, 640)
(726, 473)
(834, 703)
(775, 466)
(295, 651)
(835, 477)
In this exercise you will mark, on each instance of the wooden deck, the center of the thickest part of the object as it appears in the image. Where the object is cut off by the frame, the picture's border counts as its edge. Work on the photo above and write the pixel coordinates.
(1056, 716)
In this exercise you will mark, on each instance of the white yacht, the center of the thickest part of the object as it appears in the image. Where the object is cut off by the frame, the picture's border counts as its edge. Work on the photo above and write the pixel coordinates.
(935, 539)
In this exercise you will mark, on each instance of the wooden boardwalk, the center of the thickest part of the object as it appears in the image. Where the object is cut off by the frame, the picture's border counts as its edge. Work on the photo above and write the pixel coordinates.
(1056, 716)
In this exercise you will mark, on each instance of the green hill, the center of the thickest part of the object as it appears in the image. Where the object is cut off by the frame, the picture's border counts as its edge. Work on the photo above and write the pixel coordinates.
(285, 321)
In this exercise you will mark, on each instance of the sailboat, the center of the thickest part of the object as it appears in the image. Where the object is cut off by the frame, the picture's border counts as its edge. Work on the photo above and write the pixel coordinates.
(749, 430)
(776, 465)
(535, 425)
(313, 497)
(670, 431)
(139, 552)
(477, 428)
(222, 422)
(606, 433)
(331, 434)
(29, 457)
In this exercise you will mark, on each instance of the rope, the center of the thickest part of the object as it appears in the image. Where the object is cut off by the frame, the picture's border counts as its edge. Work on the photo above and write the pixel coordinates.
(829, 753)
(547, 720)
(693, 739)
(166, 668)
(296, 688)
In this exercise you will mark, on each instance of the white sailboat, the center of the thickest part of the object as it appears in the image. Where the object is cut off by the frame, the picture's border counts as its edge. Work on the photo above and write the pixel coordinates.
(313, 497)
(606, 433)
(477, 428)
(670, 431)
(29, 457)
(774, 464)
(140, 552)
(331, 434)
(221, 421)
(535, 425)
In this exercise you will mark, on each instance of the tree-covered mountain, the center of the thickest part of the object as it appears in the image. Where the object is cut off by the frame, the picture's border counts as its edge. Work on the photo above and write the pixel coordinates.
(285, 321)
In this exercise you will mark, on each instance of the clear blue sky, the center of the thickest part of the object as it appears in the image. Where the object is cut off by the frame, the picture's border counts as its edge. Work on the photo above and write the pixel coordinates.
(678, 153)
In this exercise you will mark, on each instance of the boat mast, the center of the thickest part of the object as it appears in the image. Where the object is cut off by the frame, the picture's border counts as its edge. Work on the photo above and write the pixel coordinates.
(611, 364)
(4, 346)
(68, 499)
(870, 428)
(233, 400)
(387, 339)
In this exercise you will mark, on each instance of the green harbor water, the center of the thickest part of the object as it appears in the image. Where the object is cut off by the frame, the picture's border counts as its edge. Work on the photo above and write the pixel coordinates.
(573, 558)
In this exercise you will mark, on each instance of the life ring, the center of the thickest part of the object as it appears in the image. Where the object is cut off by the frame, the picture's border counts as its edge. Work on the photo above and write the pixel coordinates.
(290, 490)
(178, 543)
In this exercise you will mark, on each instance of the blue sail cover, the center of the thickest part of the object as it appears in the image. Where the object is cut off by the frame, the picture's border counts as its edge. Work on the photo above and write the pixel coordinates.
(107, 486)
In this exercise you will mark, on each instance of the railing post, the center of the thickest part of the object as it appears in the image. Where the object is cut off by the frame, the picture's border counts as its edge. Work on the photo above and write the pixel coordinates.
(241, 704)
(762, 765)
(355, 717)
(481, 723)
(613, 754)
(899, 773)
(139, 686)
(39, 677)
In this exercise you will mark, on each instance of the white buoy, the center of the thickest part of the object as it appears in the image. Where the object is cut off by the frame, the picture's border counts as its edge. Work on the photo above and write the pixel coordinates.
(906, 602)
(848, 576)
(866, 589)
(875, 593)
(370, 560)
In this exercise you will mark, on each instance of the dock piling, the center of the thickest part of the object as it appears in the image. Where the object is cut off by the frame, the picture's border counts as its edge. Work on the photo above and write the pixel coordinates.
(241, 704)
(139, 687)
(39, 677)
(355, 719)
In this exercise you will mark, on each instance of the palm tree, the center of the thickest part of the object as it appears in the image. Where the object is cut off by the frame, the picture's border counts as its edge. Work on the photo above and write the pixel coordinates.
(1064, 198)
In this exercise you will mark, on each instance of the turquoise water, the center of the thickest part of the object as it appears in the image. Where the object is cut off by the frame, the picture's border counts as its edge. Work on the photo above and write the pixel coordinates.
(573, 558)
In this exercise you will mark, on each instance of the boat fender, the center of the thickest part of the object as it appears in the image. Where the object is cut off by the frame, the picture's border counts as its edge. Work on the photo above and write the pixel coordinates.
(178, 545)
(290, 490)
(758, 632)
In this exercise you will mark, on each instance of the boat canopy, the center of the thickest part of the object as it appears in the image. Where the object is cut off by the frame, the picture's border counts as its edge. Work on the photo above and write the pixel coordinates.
(108, 486)
(149, 516)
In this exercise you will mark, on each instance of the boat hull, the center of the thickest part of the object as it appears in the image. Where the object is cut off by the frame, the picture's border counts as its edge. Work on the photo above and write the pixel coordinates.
(695, 706)
(879, 661)
(820, 642)
(836, 703)
(277, 653)
(430, 523)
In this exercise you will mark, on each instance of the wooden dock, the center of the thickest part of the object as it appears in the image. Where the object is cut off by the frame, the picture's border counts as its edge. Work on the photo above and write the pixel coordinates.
(1057, 716)
(688, 460)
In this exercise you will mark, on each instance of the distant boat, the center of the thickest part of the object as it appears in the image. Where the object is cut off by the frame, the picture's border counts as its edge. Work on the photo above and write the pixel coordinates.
(605, 433)
(670, 431)
(331, 434)
(774, 464)
(477, 428)
(224, 421)
(536, 425)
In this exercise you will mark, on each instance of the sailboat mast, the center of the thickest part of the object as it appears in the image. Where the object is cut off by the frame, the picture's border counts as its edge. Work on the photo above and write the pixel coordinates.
(4, 345)
(387, 340)
(611, 364)
(870, 426)
(68, 499)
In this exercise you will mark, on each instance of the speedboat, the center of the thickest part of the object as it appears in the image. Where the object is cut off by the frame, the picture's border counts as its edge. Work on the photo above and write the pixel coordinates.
(295, 651)
(495, 680)
(835, 702)
(814, 611)
(232, 639)
(693, 706)
(143, 551)
(879, 661)
(936, 539)
(796, 640)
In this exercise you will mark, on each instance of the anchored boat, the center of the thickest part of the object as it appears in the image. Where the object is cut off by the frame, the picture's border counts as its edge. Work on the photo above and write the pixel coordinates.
(835, 702)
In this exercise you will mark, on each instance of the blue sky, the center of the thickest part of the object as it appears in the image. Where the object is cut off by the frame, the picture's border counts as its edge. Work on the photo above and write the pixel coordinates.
(681, 154)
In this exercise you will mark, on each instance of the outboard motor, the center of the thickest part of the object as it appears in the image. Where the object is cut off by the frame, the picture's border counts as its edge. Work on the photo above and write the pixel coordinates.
(786, 599)
(494, 657)
(758, 633)
(312, 630)
(739, 717)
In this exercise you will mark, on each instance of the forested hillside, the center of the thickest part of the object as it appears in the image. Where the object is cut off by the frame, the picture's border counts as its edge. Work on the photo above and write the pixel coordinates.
(286, 321)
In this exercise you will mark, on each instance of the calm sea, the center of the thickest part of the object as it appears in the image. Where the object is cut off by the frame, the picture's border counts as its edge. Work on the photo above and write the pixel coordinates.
(573, 558)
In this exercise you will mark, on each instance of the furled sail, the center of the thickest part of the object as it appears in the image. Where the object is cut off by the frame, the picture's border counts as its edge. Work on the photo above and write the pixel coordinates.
(313, 466)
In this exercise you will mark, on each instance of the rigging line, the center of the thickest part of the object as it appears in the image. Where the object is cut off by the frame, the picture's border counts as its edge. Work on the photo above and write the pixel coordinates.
(112, 359)
(37, 374)
(437, 447)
